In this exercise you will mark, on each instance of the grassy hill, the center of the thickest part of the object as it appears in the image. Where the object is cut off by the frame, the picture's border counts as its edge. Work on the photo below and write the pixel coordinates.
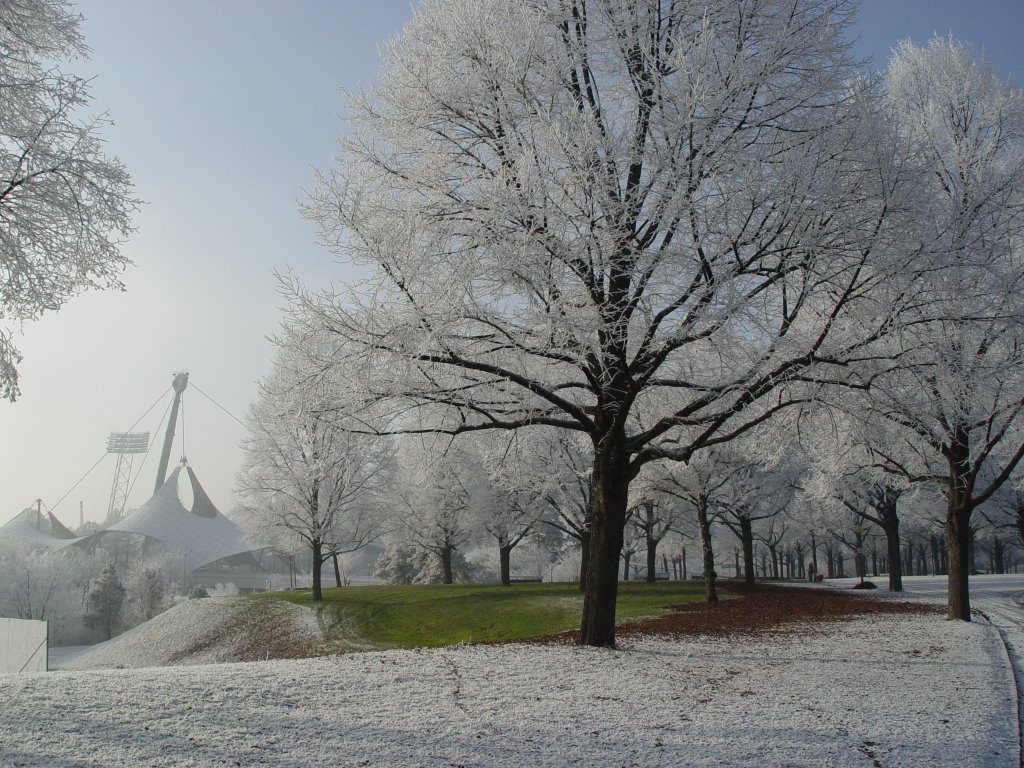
(388, 616)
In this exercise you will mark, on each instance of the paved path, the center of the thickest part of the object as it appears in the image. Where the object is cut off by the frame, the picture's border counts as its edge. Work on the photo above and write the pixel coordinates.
(1000, 599)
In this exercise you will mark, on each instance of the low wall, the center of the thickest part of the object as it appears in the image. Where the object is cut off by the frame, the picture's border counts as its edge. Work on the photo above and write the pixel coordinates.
(23, 646)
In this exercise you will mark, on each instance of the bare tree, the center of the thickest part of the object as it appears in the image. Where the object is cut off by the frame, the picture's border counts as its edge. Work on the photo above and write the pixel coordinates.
(653, 517)
(512, 518)
(637, 221)
(753, 495)
(518, 473)
(64, 204)
(700, 483)
(306, 472)
(567, 492)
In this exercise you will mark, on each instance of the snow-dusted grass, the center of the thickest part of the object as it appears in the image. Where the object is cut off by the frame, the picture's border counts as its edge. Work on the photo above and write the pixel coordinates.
(886, 690)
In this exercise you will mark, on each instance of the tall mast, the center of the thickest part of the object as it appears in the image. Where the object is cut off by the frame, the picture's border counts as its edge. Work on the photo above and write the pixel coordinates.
(179, 384)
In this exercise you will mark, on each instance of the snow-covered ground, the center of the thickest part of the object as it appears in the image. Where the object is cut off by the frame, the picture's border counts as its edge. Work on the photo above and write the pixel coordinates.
(880, 691)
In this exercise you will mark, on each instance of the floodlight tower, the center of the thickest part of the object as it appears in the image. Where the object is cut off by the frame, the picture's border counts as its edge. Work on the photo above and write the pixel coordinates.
(126, 445)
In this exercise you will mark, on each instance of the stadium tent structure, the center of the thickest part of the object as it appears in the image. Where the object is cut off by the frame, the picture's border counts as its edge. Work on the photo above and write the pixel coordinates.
(214, 549)
(38, 530)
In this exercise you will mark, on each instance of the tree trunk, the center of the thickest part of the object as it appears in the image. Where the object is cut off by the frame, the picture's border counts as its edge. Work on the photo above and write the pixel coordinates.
(447, 576)
(747, 540)
(959, 539)
(652, 559)
(708, 552)
(505, 556)
(337, 570)
(892, 543)
(609, 494)
(626, 557)
(958, 528)
(318, 564)
(584, 560)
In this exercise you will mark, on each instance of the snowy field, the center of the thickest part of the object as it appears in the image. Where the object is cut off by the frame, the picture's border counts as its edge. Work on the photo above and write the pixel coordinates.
(882, 691)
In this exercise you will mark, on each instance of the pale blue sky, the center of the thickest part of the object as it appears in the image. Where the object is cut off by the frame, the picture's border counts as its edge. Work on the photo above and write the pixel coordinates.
(221, 108)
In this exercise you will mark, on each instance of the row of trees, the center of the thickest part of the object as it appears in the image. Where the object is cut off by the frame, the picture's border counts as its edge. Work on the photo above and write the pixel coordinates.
(665, 228)
(458, 511)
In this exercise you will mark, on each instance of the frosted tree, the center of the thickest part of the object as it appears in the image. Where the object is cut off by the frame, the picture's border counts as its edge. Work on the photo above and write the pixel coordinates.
(32, 582)
(844, 454)
(633, 220)
(512, 518)
(566, 483)
(653, 517)
(148, 586)
(437, 501)
(701, 484)
(523, 472)
(753, 497)
(104, 602)
(397, 564)
(306, 473)
(1004, 513)
(959, 394)
(64, 204)
(632, 539)
(47, 585)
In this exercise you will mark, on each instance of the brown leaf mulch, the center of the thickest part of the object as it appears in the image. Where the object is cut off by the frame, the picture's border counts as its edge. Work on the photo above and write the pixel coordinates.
(764, 609)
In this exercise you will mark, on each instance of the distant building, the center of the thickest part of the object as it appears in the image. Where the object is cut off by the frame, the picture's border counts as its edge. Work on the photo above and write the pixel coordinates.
(38, 530)
(214, 549)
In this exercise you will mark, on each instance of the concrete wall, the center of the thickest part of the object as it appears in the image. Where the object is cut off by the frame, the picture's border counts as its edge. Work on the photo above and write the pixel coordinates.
(23, 646)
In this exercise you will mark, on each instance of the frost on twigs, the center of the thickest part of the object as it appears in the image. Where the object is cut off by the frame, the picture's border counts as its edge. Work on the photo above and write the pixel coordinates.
(65, 206)
(657, 225)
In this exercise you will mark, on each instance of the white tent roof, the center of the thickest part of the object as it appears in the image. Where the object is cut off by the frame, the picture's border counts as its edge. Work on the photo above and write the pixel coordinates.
(202, 532)
(38, 530)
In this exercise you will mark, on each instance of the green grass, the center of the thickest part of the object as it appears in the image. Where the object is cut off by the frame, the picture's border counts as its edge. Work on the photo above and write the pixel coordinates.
(387, 616)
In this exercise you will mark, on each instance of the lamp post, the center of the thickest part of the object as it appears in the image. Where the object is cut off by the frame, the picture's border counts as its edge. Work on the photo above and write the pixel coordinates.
(814, 550)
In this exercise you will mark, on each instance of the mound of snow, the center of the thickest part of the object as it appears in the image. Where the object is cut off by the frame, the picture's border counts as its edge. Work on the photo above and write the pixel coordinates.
(210, 630)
